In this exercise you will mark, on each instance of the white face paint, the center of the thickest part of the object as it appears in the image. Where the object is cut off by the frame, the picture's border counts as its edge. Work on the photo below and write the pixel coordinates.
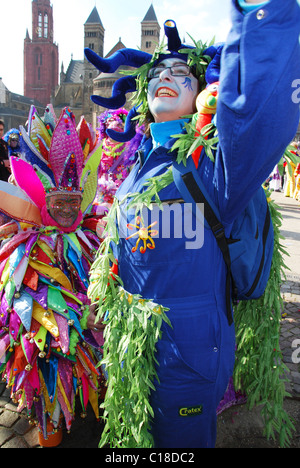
(171, 97)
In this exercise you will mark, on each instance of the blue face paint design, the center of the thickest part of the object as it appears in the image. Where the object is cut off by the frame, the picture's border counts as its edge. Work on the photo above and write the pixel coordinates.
(188, 83)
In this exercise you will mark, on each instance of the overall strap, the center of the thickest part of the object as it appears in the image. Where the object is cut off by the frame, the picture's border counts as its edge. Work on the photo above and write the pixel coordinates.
(193, 191)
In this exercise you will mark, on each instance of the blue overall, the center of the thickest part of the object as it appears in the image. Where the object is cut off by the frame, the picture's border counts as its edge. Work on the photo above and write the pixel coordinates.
(256, 120)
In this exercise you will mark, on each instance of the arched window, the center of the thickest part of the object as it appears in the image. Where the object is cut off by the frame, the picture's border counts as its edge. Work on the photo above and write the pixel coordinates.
(46, 25)
(40, 25)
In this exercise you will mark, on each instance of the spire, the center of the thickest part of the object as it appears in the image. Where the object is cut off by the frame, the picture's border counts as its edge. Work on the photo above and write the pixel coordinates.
(27, 38)
(150, 15)
(94, 18)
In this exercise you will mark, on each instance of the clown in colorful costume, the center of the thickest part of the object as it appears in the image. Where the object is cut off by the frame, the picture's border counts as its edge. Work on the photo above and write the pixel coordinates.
(48, 356)
(256, 119)
(116, 158)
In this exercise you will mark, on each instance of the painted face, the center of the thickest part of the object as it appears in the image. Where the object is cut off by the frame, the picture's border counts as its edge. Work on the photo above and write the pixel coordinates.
(115, 124)
(171, 96)
(64, 208)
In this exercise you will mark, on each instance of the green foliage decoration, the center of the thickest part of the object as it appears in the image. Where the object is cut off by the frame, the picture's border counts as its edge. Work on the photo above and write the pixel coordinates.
(260, 371)
(289, 157)
(133, 327)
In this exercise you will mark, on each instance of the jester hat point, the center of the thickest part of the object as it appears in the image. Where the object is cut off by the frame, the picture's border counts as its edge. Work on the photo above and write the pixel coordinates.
(206, 62)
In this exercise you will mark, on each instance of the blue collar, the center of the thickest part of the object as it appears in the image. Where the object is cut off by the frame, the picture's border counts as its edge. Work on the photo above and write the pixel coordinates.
(249, 7)
(161, 132)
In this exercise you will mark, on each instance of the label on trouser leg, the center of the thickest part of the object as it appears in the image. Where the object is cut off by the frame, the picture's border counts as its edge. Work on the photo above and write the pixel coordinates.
(186, 399)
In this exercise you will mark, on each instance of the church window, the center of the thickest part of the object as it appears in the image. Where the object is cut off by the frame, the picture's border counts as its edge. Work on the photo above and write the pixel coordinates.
(40, 25)
(45, 25)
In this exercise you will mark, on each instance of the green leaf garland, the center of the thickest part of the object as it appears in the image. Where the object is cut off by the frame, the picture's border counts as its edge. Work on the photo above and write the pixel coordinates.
(133, 327)
(260, 371)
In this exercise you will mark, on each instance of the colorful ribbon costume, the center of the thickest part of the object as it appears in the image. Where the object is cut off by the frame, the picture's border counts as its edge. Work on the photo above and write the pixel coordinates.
(47, 356)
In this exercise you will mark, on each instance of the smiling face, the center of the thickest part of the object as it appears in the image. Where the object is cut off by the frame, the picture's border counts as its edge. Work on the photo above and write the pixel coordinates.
(64, 208)
(171, 97)
(115, 124)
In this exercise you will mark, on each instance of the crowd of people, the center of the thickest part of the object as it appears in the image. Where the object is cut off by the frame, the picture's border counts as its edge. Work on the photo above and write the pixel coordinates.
(286, 178)
(291, 185)
(75, 290)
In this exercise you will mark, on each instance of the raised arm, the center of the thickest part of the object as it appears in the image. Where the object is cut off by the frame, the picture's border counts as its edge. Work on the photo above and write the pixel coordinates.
(256, 115)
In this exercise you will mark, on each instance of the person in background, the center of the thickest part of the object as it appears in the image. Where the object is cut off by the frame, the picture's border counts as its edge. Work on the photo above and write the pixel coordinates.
(12, 138)
(48, 351)
(116, 162)
(290, 183)
(4, 160)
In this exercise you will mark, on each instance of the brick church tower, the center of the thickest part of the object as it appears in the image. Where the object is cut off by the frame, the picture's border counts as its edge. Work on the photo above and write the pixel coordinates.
(40, 54)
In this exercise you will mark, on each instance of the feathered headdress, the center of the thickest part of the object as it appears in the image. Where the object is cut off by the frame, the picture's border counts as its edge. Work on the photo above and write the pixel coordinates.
(205, 62)
(57, 157)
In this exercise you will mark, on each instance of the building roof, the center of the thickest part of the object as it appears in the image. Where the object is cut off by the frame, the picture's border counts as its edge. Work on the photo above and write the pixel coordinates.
(75, 72)
(94, 18)
(119, 45)
(150, 15)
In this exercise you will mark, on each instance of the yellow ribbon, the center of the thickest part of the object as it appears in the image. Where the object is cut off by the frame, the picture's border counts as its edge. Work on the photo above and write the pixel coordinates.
(45, 318)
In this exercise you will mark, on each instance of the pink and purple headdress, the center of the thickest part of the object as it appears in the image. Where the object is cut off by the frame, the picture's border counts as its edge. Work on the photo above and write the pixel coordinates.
(57, 156)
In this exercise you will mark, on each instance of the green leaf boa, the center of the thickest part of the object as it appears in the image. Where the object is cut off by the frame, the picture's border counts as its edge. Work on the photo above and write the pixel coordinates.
(259, 371)
(133, 327)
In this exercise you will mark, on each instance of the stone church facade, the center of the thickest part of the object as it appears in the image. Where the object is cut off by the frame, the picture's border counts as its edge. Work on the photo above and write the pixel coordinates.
(40, 54)
(71, 87)
(81, 79)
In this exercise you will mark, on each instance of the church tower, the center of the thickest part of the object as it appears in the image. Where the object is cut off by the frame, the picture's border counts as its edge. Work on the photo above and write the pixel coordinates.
(40, 54)
(150, 31)
(94, 40)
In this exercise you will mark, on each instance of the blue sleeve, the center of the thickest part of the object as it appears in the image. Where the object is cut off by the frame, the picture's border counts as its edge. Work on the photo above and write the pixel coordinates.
(256, 116)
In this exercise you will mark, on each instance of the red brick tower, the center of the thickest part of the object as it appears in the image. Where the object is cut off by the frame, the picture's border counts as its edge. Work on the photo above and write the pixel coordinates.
(40, 54)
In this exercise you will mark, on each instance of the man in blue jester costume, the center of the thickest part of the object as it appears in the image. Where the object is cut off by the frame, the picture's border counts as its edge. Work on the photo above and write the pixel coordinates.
(48, 355)
(169, 334)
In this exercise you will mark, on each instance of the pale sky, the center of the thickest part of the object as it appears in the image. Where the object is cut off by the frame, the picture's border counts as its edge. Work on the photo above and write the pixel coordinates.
(202, 19)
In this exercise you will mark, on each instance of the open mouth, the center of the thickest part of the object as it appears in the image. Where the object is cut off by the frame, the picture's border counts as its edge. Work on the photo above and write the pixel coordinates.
(165, 92)
(66, 216)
